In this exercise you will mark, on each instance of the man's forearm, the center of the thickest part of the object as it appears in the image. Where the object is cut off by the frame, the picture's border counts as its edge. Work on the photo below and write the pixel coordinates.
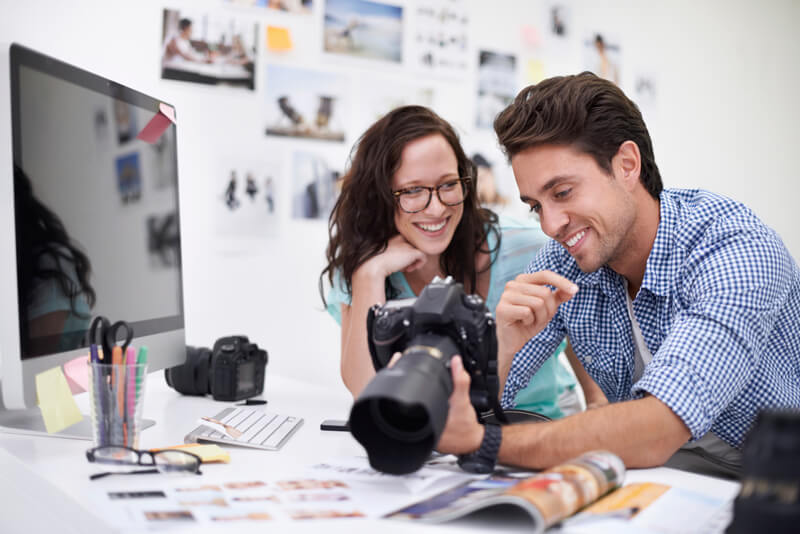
(644, 433)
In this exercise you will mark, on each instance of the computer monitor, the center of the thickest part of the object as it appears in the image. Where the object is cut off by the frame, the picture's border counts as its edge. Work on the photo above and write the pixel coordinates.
(88, 225)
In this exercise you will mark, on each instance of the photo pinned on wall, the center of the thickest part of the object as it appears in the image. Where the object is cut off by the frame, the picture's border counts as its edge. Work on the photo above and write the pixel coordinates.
(247, 202)
(125, 119)
(163, 240)
(208, 49)
(316, 185)
(301, 7)
(560, 19)
(305, 103)
(602, 56)
(165, 163)
(645, 93)
(363, 29)
(497, 85)
(440, 38)
(381, 95)
(101, 126)
(129, 178)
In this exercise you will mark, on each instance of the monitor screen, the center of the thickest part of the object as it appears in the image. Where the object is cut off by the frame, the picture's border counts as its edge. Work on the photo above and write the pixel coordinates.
(96, 223)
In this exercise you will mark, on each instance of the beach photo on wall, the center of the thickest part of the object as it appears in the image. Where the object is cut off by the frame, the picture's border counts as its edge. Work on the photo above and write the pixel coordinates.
(364, 29)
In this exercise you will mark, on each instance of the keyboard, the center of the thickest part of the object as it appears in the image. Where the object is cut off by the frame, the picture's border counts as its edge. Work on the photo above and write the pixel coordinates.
(255, 428)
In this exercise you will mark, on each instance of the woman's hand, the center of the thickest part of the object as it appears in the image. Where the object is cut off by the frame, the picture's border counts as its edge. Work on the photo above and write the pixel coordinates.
(400, 255)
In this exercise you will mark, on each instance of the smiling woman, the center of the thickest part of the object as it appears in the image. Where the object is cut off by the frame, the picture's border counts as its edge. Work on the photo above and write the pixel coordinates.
(408, 212)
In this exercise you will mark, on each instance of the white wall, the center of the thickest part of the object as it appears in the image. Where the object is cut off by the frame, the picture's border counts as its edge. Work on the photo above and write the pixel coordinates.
(726, 116)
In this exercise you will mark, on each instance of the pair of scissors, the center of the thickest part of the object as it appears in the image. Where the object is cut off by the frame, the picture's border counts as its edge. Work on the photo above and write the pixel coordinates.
(109, 333)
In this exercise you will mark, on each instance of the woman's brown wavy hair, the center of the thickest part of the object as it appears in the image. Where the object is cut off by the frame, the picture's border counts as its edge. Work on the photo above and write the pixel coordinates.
(362, 220)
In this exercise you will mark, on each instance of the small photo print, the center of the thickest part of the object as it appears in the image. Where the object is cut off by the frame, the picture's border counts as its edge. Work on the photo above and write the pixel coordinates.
(239, 516)
(497, 85)
(316, 186)
(129, 178)
(249, 484)
(125, 119)
(301, 7)
(247, 202)
(305, 103)
(309, 484)
(121, 495)
(440, 37)
(560, 20)
(602, 56)
(159, 516)
(209, 49)
(163, 240)
(364, 29)
(325, 514)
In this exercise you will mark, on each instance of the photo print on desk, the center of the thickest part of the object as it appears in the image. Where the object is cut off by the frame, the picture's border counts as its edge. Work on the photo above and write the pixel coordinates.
(440, 38)
(497, 85)
(208, 49)
(306, 103)
(316, 185)
(247, 200)
(300, 7)
(369, 30)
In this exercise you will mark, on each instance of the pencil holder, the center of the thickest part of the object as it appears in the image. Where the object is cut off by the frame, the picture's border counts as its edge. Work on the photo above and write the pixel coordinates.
(116, 392)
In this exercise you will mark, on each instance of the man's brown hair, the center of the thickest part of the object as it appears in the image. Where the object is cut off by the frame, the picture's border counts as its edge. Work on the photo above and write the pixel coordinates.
(583, 111)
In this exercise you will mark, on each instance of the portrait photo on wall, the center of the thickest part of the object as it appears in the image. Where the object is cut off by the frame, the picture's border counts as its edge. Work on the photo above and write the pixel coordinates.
(129, 178)
(125, 119)
(301, 7)
(208, 49)
(497, 85)
(440, 37)
(163, 240)
(364, 29)
(305, 103)
(315, 186)
(602, 56)
(247, 201)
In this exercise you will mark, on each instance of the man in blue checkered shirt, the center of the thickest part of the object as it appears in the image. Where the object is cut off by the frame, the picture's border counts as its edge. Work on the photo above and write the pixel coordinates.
(681, 304)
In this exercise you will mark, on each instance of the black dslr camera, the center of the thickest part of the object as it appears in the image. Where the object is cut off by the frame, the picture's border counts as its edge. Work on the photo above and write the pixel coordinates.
(401, 414)
(233, 370)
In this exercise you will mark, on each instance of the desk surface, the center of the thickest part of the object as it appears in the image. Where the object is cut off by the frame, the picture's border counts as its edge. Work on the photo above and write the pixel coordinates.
(46, 480)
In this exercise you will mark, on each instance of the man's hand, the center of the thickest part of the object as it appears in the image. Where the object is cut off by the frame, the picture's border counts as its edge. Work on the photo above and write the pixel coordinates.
(526, 307)
(462, 433)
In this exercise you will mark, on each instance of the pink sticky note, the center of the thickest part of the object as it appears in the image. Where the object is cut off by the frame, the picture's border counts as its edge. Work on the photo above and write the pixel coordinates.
(158, 124)
(77, 373)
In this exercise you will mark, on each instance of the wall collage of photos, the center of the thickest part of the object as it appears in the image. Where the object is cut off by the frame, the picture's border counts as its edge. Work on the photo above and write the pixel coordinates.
(420, 52)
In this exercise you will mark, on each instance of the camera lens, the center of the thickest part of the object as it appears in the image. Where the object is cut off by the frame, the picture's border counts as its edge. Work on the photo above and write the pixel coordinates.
(400, 421)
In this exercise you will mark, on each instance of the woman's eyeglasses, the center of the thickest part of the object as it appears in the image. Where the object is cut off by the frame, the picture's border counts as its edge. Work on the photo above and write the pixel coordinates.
(417, 198)
(165, 461)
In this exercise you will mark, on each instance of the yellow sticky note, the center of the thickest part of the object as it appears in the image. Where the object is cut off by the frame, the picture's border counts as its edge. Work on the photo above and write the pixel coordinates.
(278, 39)
(55, 400)
(207, 452)
(534, 71)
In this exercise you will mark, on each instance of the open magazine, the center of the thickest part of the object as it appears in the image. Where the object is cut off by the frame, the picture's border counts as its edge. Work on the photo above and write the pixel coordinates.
(549, 496)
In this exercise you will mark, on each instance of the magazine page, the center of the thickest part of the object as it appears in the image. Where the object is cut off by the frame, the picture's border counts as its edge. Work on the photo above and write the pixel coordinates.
(652, 507)
(548, 497)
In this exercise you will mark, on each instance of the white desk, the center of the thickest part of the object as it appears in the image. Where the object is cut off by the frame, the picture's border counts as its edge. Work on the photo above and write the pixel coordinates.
(46, 480)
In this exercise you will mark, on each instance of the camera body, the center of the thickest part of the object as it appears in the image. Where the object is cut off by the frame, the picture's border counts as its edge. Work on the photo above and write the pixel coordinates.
(442, 309)
(233, 370)
(401, 413)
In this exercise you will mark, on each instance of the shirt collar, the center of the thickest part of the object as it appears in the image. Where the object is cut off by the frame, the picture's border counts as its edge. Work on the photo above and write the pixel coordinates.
(660, 271)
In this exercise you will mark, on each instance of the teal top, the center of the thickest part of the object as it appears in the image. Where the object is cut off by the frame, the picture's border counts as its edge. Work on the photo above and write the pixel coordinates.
(519, 244)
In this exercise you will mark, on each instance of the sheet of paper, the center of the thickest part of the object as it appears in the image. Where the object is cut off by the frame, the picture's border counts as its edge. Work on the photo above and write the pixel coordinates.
(278, 39)
(58, 407)
(77, 373)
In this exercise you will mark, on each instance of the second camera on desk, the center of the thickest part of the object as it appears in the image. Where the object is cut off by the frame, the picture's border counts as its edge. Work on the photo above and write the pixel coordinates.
(233, 370)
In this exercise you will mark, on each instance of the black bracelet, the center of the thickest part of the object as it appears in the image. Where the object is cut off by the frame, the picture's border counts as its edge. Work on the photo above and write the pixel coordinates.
(484, 459)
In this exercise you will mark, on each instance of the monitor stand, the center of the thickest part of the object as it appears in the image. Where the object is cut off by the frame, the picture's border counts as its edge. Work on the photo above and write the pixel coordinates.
(29, 421)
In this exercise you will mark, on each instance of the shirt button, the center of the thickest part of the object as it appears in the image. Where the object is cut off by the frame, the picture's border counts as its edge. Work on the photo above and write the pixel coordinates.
(588, 359)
